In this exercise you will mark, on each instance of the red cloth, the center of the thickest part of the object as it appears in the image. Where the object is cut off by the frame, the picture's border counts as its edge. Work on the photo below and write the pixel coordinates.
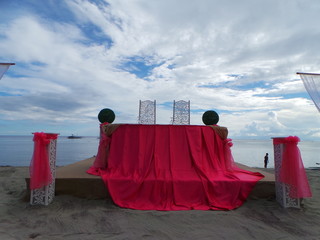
(292, 171)
(174, 167)
(40, 173)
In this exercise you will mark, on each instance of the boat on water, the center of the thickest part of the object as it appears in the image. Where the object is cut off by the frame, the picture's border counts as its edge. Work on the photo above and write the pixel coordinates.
(74, 137)
(314, 168)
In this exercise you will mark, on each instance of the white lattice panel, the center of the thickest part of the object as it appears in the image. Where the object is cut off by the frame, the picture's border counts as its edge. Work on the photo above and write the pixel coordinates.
(181, 112)
(147, 112)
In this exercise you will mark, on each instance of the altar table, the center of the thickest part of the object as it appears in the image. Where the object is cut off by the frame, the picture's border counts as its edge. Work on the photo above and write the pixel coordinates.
(171, 167)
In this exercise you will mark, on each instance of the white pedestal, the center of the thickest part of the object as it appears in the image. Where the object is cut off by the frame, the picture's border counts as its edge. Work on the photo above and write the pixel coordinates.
(282, 189)
(45, 195)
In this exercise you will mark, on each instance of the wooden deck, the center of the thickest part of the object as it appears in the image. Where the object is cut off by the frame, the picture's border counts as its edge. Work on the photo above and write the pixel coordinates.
(73, 180)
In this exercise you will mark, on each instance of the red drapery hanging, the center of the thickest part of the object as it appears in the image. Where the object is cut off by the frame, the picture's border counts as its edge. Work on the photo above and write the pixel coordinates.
(174, 167)
(292, 170)
(40, 173)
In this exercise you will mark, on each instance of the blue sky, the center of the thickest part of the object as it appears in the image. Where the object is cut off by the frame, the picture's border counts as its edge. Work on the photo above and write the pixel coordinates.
(239, 58)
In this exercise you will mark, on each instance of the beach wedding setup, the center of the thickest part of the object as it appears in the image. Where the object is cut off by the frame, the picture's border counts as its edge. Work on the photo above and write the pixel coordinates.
(176, 166)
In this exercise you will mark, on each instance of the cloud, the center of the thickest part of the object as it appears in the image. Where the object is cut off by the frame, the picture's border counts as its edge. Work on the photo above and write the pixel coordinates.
(238, 58)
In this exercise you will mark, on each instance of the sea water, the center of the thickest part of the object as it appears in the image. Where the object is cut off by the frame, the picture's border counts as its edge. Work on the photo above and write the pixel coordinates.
(18, 150)
(252, 152)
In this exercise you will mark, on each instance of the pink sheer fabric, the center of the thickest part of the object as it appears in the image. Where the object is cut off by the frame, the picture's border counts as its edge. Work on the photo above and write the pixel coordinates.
(292, 170)
(102, 155)
(40, 173)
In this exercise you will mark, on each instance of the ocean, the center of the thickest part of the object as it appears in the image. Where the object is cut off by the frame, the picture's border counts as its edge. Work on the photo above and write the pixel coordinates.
(17, 151)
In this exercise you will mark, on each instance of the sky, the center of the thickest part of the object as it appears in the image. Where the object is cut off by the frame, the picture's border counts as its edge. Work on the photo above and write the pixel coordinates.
(238, 58)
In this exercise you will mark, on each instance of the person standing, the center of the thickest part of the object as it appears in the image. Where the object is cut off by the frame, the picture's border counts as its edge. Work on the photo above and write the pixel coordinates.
(266, 160)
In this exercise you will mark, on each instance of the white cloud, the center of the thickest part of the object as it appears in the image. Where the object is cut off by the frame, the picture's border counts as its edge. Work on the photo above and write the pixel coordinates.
(210, 52)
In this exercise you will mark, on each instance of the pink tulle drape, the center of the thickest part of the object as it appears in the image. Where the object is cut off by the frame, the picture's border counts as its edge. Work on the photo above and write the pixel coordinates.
(228, 155)
(40, 173)
(292, 170)
(102, 154)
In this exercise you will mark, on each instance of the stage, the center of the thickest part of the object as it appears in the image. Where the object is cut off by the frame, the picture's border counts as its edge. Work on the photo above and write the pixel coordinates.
(73, 180)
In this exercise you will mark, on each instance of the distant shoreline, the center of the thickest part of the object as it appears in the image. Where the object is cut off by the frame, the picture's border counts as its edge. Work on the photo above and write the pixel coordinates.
(18, 150)
(233, 139)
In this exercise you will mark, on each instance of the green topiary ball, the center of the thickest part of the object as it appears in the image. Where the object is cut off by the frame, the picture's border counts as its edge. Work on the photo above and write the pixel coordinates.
(210, 117)
(106, 115)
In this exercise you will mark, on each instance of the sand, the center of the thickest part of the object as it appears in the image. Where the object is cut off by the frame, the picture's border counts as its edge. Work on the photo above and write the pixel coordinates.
(70, 217)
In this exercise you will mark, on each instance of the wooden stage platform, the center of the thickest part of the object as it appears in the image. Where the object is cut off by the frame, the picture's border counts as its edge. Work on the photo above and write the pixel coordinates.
(73, 180)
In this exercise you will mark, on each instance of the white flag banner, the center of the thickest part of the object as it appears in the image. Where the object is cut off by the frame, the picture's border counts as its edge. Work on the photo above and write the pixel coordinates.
(311, 82)
(3, 69)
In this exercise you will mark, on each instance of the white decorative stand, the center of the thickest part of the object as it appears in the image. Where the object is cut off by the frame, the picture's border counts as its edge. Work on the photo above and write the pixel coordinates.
(181, 112)
(147, 112)
(45, 195)
(282, 189)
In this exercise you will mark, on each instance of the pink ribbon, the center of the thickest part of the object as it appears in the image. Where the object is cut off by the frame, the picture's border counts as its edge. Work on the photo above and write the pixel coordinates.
(40, 173)
(229, 142)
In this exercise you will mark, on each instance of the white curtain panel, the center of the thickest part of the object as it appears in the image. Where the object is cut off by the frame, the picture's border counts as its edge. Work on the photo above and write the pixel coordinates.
(3, 69)
(312, 85)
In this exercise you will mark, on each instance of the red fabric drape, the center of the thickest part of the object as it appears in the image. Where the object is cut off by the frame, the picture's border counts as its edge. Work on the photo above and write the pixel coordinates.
(292, 170)
(102, 154)
(40, 173)
(172, 167)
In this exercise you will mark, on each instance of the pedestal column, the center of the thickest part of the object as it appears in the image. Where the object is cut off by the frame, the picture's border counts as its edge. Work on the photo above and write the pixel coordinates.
(282, 189)
(45, 194)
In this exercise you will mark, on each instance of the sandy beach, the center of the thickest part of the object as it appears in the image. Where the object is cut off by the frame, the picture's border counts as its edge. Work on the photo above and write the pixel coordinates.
(77, 218)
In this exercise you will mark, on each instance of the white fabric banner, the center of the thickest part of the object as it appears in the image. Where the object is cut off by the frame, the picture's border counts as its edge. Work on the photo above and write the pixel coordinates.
(312, 85)
(3, 69)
